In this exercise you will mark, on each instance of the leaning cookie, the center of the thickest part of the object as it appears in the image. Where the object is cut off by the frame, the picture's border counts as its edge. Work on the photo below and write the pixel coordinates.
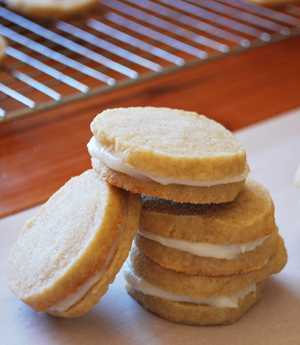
(221, 239)
(50, 8)
(69, 253)
(169, 154)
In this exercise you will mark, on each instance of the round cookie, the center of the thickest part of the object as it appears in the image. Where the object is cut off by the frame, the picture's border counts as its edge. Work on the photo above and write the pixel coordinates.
(50, 8)
(221, 239)
(248, 218)
(168, 153)
(197, 314)
(68, 254)
(201, 286)
(200, 195)
(182, 261)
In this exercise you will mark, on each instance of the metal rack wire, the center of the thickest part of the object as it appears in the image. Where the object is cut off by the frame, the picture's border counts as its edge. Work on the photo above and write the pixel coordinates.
(120, 42)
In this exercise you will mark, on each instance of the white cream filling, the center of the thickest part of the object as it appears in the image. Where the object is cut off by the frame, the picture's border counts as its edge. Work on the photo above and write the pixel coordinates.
(98, 152)
(211, 250)
(140, 284)
(66, 303)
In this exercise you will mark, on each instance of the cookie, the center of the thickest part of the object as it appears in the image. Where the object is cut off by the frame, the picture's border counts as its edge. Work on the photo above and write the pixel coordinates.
(195, 313)
(3, 45)
(68, 254)
(221, 239)
(201, 286)
(186, 262)
(197, 300)
(169, 154)
(50, 8)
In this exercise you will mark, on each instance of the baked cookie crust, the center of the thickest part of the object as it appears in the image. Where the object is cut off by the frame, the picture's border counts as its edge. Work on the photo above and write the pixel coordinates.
(180, 193)
(249, 217)
(201, 286)
(68, 241)
(100, 288)
(196, 314)
(170, 143)
(191, 264)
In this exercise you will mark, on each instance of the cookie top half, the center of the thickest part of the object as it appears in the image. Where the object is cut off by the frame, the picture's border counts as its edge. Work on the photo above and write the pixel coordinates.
(71, 240)
(248, 218)
(168, 145)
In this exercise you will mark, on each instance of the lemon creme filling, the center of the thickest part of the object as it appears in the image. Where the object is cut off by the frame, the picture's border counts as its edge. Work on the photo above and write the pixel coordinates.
(140, 284)
(211, 250)
(66, 303)
(98, 152)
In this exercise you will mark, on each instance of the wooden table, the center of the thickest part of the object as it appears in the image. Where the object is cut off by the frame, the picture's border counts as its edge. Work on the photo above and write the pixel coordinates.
(39, 153)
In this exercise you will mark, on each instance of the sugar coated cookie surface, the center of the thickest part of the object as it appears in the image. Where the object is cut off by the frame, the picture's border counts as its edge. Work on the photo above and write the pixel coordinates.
(170, 143)
(50, 8)
(171, 153)
(82, 234)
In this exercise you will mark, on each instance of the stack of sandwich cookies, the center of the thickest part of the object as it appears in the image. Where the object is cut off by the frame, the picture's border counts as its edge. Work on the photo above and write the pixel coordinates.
(169, 154)
(207, 238)
(205, 264)
(206, 241)
(69, 253)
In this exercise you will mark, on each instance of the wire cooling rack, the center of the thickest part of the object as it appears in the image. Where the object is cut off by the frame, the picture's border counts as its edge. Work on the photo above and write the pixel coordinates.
(120, 42)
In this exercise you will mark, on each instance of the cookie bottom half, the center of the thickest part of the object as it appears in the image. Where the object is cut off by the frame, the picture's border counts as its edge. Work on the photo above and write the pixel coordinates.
(196, 314)
(188, 194)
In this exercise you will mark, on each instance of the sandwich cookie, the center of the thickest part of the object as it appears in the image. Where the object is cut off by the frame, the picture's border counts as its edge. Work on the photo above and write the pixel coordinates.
(197, 300)
(214, 239)
(169, 154)
(50, 8)
(68, 254)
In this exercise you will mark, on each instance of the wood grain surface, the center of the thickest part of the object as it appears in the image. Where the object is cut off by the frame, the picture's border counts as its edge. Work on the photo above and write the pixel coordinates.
(39, 153)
